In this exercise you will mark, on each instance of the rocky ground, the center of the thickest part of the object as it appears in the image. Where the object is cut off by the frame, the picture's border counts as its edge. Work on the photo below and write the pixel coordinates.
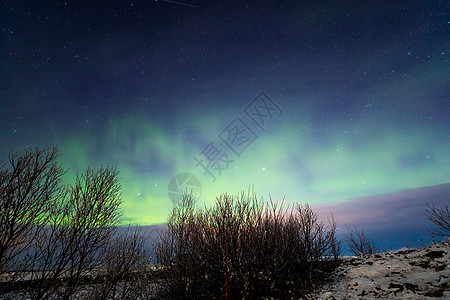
(410, 274)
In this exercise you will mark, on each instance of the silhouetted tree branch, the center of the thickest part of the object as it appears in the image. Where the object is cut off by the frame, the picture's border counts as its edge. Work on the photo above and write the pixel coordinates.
(440, 217)
(82, 226)
(125, 268)
(242, 247)
(359, 244)
(29, 189)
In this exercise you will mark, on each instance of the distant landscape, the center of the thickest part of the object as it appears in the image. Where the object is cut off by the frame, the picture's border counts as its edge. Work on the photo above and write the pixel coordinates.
(66, 242)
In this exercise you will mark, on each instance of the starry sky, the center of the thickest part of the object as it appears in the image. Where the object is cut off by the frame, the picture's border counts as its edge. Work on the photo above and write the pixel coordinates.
(341, 104)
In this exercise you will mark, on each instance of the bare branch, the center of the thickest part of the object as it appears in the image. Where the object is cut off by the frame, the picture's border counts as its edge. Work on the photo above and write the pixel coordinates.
(359, 244)
(440, 217)
(29, 188)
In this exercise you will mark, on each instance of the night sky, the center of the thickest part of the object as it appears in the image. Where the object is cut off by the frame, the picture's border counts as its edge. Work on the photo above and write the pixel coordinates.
(341, 104)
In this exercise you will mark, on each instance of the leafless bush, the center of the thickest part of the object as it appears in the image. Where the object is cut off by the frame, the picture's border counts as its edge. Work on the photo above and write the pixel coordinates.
(242, 247)
(359, 244)
(54, 238)
(172, 249)
(440, 217)
(29, 189)
(125, 269)
(336, 250)
(81, 227)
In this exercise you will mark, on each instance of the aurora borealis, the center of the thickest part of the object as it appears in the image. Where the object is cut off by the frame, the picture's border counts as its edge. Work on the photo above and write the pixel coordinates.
(363, 91)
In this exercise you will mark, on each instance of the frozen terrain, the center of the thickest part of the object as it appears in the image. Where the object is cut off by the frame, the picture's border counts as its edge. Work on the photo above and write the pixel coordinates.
(409, 274)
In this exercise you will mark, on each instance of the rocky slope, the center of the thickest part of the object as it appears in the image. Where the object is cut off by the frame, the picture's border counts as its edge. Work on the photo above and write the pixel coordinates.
(410, 274)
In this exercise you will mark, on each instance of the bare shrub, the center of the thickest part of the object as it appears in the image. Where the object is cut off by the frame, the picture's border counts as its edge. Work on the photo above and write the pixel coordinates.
(242, 247)
(29, 189)
(125, 269)
(336, 250)
(440, 217)
(81, 227)
(58, 242)
(359, 244)
(172, 250)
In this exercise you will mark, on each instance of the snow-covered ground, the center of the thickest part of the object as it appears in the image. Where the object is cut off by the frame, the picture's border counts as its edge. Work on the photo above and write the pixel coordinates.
(408, 274)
